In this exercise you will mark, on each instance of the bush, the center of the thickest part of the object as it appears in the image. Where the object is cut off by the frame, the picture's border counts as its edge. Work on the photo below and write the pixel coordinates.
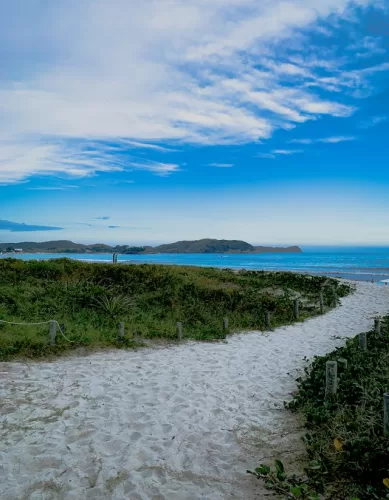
(90, 299)
(345, 433)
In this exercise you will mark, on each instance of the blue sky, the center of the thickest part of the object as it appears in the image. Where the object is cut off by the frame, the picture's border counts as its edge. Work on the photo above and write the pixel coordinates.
(149, 122)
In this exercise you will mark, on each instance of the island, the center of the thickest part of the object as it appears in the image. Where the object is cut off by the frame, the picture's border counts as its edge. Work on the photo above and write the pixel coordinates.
(206, 245)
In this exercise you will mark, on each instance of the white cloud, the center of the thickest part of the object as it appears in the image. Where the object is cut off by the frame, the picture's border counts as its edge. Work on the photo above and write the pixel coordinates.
(279, 152)
(143, 145)
(286, 152)
(301, 141)
(221, 165)
(161, 169)
(52, 188)
(329, 140)
(367, 46)
(336, 139)
(140, 74)
(356, 82)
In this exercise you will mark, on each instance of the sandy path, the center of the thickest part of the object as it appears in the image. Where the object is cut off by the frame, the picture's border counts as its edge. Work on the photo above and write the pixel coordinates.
(183, 422)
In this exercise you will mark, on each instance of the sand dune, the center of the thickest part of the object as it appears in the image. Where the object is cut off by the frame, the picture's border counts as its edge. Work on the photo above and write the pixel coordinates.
(180, 422)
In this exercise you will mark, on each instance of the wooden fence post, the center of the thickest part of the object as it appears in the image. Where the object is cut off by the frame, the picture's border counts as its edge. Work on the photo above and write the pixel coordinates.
(225, 325)
(363, 341)
(121, 331)
(267, 319)
(377, 325)
(53, 332)
(331, 378)
(179, 330)
(296, 310)
(334, 298)
(321, 300)
(386, 413)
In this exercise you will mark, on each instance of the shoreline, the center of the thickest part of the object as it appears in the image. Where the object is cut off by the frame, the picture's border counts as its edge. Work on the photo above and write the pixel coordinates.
(355, 273)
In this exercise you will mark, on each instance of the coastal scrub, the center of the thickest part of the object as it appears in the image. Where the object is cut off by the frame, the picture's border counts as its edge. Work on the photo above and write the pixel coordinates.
(89, 300)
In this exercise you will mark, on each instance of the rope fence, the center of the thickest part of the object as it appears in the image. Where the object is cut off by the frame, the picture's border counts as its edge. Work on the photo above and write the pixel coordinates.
(53, 327)
(296, 307)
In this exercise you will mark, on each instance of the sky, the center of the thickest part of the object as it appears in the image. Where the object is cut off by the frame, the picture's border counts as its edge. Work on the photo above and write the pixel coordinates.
(128, 122)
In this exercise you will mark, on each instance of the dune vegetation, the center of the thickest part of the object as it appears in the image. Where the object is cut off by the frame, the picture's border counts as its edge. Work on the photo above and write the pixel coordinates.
(345, 438)
(91, 299)
(347, 446)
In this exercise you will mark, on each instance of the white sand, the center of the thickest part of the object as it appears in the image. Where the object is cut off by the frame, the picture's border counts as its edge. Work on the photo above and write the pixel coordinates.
(183, 422)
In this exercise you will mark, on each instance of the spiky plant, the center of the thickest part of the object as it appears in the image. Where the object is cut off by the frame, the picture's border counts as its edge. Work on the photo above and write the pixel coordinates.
(114, 305)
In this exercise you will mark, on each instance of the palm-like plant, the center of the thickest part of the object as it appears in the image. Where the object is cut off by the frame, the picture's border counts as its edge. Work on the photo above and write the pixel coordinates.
(113, 304)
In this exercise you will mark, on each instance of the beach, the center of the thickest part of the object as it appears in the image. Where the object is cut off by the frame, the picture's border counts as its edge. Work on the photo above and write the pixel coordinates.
(175, 422)
(352, 263)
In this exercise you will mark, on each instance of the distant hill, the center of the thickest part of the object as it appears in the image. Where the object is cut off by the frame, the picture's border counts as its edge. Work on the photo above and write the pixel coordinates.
(58, 246)
(293, 249)
(205, 246)
(196, 246)
(46, 245)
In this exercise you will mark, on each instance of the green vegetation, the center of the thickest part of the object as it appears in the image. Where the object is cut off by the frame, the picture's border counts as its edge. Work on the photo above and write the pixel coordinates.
(134, 250)
(345, 441)
(289, 486)
(90, 300)
(205, 246)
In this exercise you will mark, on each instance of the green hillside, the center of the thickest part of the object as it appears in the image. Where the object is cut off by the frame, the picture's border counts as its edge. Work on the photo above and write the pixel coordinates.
(205, 246)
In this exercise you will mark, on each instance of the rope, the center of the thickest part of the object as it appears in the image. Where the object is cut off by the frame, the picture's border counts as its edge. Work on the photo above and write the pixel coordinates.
(13, 323)
(40, 323)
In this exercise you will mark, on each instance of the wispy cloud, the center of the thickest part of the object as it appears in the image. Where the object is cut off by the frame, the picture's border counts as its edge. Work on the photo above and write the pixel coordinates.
(279, 152)
(20, 227)
(286, 152)
(356, 82)
(144, 145)
(142, 75)
(328, 140)
(373, 121)
(301, 141)
(336, 139)
(52, 188)
(103, 217)
(367, 46)
(161, 169)
(113, 227)
(221, 165)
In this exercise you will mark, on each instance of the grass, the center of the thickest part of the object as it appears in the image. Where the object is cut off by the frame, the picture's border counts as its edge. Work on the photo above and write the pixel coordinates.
(345, 441)
(90, 300)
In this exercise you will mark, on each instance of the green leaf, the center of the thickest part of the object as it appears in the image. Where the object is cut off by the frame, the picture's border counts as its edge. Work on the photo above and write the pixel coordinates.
(263, 470)
(296, 491)
(279, 466)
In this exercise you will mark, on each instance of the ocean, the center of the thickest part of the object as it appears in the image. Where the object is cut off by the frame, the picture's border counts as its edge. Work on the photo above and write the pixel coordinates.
(355, 263)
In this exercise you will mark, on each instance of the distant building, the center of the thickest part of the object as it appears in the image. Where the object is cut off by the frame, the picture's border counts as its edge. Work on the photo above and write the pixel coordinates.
(18, 250)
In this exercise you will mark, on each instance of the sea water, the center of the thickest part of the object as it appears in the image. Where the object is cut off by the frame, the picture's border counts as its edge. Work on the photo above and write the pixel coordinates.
(358, 263)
